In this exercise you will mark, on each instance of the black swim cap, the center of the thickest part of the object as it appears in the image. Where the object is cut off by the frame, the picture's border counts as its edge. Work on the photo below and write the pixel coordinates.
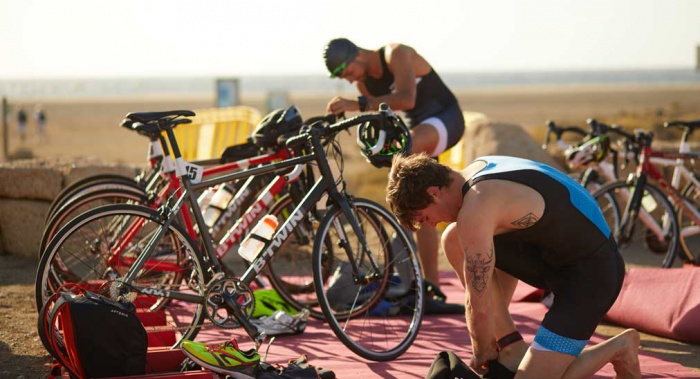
(338, 54)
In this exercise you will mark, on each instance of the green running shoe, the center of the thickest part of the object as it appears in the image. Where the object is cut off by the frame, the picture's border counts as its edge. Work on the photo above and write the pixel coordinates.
(225, 358)
(268, 302)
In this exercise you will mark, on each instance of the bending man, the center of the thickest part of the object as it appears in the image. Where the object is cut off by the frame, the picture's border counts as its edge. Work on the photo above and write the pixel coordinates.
(397, 75)
(513, 219)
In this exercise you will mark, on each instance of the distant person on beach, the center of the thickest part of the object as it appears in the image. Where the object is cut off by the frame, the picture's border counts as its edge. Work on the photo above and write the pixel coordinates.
(397, 75)
(22, 124)
(515, 219)
(40, 118)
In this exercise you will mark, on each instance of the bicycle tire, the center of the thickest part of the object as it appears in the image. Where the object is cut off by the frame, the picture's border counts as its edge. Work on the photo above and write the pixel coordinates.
(690, 235)
(382, 318)
(609, 207)
(90, 200)
(78, 255)
(644, 247)
(84, 185)
(290, 270)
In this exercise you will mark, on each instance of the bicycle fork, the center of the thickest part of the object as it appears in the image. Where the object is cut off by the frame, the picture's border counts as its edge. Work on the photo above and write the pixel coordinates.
(627, 223)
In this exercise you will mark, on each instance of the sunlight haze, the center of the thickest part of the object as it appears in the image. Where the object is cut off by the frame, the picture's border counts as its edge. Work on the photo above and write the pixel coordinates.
(127, 38)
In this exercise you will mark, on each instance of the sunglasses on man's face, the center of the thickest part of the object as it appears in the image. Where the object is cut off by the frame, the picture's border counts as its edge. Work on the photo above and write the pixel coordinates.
(339, 70)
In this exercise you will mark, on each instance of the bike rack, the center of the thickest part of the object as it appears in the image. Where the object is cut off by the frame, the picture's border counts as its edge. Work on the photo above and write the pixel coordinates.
(162, 362)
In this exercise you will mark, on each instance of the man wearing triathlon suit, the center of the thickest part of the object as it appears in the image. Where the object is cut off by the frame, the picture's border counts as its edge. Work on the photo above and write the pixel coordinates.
(397, 75)
(511, 219)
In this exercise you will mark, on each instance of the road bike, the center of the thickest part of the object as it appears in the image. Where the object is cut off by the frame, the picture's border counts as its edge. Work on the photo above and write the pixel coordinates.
(669, 218)
(255, 195)
(361, 258)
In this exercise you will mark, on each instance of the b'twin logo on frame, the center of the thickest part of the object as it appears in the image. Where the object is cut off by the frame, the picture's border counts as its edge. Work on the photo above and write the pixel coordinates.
(243, 225)
(238, 201)
(277, 242)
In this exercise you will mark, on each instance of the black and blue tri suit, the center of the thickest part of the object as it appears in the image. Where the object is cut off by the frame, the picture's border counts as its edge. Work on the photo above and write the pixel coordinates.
(569, 251)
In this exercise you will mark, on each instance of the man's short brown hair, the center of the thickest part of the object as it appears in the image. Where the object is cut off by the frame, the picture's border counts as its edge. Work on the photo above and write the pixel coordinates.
(407, 189)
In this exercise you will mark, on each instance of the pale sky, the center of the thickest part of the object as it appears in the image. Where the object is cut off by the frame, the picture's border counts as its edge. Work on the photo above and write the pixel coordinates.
(151, 38)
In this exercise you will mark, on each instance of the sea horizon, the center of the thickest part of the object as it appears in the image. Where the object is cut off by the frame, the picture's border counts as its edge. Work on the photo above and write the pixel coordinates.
(261, 84)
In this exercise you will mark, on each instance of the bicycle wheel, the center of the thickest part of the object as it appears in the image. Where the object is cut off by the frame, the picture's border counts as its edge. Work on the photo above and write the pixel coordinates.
(654, 240)
(610, 207)
(376, 311)
(90, 200)
(96, 249)
(290, 270)
(690, 230)
(89, 184)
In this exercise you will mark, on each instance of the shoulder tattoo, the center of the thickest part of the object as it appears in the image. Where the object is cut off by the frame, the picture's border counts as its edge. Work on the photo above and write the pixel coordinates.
(477, 269)
(526, 221)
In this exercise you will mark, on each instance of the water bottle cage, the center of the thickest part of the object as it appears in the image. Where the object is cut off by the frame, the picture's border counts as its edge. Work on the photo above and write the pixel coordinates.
(259, 238)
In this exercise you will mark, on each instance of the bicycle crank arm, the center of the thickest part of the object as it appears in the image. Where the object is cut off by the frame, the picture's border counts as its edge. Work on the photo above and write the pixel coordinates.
(257, 336)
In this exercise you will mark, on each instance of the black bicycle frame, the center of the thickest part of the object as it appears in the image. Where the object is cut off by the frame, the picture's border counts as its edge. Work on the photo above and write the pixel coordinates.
(325, 184)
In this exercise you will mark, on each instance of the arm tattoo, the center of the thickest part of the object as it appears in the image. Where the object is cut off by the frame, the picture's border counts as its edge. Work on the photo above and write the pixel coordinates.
(478, 268)
(526, 221)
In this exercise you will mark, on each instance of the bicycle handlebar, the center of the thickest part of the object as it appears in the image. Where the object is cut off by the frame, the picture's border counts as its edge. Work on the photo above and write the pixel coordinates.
(317, 129)
(558, 131)
(601, 128)
(683, 124)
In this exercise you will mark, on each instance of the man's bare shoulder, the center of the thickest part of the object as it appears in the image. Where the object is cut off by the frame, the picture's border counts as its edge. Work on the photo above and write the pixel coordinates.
(503, 202)
(400, 51)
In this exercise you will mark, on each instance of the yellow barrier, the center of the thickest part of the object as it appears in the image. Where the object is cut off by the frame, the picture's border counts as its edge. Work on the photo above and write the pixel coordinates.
(213, 129)
(454, 156)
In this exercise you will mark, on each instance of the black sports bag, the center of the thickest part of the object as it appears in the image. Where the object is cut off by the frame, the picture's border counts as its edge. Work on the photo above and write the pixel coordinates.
(93, 336)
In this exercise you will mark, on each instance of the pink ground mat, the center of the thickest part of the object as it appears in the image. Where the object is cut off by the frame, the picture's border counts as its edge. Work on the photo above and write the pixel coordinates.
(437, 333)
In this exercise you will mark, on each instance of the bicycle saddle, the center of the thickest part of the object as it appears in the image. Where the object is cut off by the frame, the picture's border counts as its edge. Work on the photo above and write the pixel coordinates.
(146, 117)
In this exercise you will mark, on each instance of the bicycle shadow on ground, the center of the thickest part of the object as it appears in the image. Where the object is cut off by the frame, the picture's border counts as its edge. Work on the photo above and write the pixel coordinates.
(22, 366)
(17, 270)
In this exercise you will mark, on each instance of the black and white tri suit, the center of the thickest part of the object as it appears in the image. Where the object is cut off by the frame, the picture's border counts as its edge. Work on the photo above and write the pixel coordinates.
(435, 104)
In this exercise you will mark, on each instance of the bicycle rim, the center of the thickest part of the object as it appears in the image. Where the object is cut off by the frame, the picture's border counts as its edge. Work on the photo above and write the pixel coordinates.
(655, 238)
(87, 185)
(378, 319)
(690, 230)
(80, 253)
(290, 270)
(84, 203)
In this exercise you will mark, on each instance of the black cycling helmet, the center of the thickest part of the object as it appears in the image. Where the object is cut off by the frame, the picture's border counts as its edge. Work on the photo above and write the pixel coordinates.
(379, 141)
(338, 54)
(280, 122)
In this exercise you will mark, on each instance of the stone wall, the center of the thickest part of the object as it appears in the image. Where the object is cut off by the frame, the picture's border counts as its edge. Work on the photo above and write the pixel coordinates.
(27, 188)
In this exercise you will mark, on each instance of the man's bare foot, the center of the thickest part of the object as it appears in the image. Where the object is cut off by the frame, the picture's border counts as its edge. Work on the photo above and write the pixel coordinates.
(626, 361)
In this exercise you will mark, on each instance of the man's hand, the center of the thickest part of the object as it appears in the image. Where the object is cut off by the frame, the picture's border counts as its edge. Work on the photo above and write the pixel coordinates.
(481, 358)
(340, 105)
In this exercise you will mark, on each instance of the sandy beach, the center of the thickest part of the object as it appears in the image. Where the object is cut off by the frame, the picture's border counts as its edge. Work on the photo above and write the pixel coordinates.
(90, 127)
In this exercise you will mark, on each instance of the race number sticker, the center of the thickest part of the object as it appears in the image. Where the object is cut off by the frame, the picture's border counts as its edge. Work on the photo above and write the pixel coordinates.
(191, 170)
